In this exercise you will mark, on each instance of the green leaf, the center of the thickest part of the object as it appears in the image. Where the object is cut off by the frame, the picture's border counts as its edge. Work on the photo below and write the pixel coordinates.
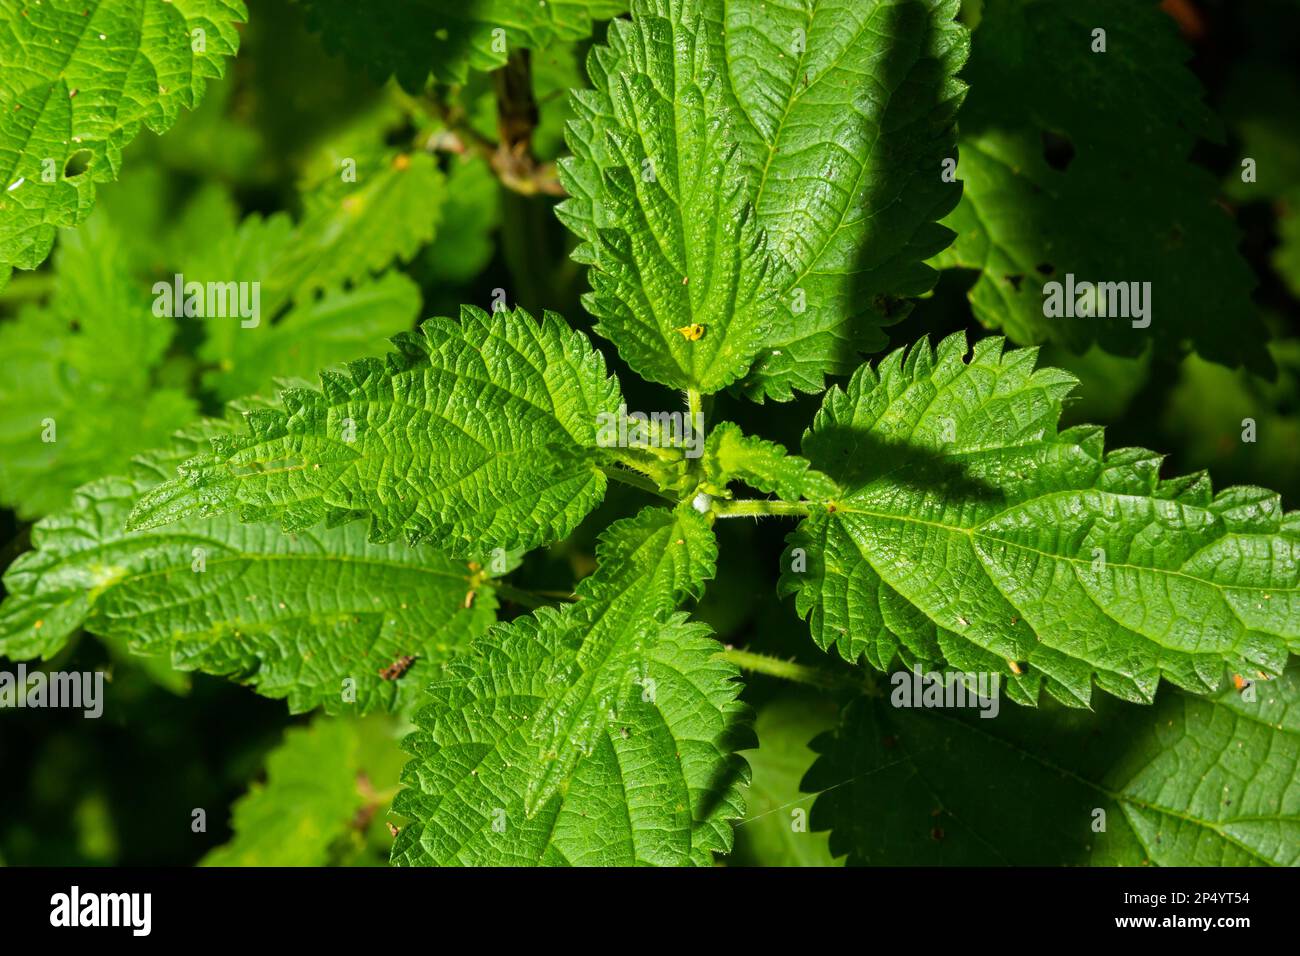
(92, 362)
(600, 734)
(351, 228)
(730, 455)
(156, 668)
(1108, 384)
(477, 434)
(464, 244)
(79, 396)
(307, 803)
(846, 111)
(411, 38)
(313, 617)
(388, 206)
(767, 172)
(1210, 411)
(1190, 782)
(313, 334)
(252, 250)
(318, 800)
(221, 140)
(679, 263)
(775, 831)
(80, 78)
(1075, 163)
(972, 532)
(306, 318)
(160, 223)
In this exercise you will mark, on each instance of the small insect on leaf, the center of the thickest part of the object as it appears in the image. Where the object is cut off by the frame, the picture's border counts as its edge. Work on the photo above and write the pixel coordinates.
(397, 668)
(691, 333)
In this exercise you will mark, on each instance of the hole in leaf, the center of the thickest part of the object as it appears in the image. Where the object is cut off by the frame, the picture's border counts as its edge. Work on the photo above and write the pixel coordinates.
(400, 136)
(888, 305)
(1045, 268)
(1057, 150)
(77, 163)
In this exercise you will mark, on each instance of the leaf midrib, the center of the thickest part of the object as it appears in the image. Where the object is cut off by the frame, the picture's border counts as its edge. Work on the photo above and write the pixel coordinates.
(974, 533)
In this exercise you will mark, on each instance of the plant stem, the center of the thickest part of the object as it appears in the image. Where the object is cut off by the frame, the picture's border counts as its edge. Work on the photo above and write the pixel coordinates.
(758, 507)
(515, 168)
(694, 405)
(517, 119)
(789, 670)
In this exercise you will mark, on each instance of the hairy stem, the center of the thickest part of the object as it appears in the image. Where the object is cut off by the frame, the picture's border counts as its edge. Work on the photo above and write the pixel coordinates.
(694, 404)
(758, 507)
(791, 671)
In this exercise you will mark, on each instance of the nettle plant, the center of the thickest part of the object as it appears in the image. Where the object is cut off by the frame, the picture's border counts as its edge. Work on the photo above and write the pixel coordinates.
(757, 191)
